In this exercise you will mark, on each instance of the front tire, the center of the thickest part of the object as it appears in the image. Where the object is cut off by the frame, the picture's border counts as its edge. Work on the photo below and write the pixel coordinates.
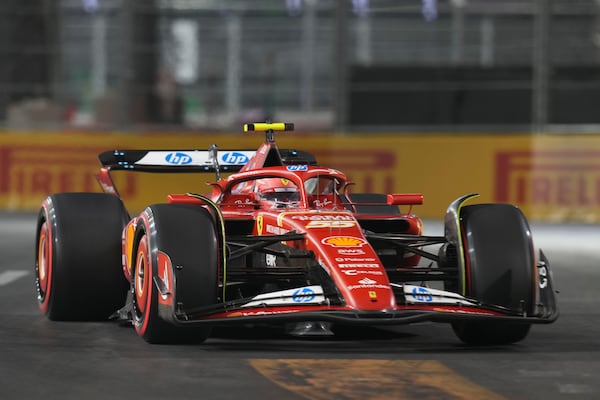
(186, 235)
(499, 270)
(78, 258)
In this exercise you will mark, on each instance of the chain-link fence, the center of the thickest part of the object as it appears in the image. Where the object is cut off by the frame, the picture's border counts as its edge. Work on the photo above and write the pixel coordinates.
(325, 64)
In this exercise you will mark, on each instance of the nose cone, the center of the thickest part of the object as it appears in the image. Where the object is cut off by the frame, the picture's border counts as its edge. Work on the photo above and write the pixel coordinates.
(357, 271)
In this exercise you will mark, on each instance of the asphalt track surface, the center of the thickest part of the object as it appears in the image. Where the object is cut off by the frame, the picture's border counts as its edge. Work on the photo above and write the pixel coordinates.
(40, 359)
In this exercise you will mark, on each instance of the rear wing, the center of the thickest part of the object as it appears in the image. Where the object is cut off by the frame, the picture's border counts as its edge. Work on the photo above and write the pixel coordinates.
(212, 160)
(169, 161)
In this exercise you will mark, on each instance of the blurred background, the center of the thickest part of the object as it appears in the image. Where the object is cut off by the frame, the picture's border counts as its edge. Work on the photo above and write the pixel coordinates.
(336, 65)
(519, 78)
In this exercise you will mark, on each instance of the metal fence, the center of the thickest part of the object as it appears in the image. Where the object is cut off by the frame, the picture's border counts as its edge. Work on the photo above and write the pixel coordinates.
(212, 64)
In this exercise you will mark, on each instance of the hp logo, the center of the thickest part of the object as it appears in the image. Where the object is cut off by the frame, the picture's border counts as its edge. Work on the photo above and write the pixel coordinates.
(297, 167)
(178, 158)
(422, 294)
(234, 158)
(303, 295)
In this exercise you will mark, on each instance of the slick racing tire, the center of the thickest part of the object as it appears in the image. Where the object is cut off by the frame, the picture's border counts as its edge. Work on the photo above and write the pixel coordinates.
(186, 236)
(499, 270)
(78, 270)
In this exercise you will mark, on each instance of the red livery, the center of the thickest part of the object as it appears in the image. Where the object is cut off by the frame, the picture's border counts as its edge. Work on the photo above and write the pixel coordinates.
(282, 240)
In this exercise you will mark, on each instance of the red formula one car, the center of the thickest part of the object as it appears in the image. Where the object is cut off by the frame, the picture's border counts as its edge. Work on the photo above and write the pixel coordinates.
(282, 240)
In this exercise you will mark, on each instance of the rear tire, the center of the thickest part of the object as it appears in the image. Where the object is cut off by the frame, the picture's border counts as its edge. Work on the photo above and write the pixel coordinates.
(499, 270)
(186, 234)
(78, 267)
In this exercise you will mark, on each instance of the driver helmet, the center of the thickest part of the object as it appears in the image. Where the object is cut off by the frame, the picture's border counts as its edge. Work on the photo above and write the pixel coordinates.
(277, 190)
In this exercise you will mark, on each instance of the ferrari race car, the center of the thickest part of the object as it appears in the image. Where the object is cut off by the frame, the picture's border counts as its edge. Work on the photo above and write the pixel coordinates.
(282, 240)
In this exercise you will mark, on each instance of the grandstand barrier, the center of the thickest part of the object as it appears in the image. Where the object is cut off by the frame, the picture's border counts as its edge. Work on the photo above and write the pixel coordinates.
(550, 177)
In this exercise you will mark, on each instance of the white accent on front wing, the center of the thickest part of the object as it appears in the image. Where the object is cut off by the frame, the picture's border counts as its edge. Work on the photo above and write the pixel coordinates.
(302, 295)
(419, 294)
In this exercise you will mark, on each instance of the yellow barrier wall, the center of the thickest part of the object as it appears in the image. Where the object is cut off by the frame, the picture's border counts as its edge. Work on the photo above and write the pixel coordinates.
(551, 177)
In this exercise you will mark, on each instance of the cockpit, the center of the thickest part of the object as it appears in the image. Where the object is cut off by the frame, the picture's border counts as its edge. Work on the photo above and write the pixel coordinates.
(318, 189)
(321, 184)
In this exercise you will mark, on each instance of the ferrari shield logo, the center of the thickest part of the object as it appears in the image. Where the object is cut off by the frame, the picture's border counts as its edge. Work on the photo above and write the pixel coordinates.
(259, 224)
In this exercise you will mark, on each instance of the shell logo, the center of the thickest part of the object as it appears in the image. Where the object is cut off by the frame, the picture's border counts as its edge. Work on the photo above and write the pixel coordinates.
(343, 241)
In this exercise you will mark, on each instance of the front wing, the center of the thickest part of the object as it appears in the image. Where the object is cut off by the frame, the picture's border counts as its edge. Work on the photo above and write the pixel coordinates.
(421, 304)
(316, 303)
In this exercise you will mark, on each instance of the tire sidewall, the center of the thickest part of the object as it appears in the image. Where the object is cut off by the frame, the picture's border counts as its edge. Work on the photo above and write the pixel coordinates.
(44, 260)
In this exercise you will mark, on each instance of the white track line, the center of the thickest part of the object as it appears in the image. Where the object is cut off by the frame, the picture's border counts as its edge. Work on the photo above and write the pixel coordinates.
(11, 275)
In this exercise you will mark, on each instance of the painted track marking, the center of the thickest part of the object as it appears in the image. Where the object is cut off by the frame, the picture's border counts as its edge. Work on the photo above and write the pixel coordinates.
(11, 275)
(371, 379)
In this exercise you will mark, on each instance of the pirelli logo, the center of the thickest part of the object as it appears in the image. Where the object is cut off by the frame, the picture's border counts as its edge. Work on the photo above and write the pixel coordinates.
(557, 178)
(30, 172)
